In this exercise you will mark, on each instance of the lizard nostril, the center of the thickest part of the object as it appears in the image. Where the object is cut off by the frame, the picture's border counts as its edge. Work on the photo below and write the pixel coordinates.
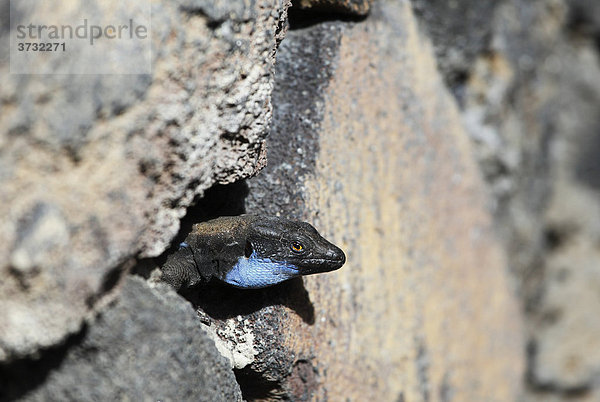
(337, 255)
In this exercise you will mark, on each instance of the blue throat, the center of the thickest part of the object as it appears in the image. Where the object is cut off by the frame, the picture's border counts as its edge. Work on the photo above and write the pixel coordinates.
(254, 272)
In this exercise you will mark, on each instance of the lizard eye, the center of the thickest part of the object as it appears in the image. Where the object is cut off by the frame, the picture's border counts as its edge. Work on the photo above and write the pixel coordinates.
(297, 247)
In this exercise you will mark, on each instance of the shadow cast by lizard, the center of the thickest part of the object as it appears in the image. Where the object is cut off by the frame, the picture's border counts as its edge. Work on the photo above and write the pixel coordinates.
(221, 301)
(300, 19)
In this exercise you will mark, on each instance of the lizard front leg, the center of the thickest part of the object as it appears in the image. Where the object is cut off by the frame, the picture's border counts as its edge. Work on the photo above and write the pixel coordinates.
(180, 270)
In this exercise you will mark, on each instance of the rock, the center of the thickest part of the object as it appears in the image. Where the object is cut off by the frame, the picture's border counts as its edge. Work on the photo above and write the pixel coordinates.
(147, 345)
(532, 102)
(96, 169)
(460, 32)
(369, 146)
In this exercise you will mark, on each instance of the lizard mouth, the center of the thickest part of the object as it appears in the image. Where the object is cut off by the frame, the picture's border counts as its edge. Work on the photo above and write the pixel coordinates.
(318, 265)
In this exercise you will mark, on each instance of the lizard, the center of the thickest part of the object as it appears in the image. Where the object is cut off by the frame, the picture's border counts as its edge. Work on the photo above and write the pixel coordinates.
(250, 252)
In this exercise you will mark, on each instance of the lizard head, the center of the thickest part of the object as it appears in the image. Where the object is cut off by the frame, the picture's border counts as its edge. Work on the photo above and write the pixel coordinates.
(278, 249)
(292, 242)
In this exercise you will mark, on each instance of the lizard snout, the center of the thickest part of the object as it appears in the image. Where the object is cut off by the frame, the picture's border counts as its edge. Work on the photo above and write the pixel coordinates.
(336, 255)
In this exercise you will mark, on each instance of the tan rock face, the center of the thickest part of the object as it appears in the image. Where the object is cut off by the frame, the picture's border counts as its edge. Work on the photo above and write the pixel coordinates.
(421, 310)
(422, 307)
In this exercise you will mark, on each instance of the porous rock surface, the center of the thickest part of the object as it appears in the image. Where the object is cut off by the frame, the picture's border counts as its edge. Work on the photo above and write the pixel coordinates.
(95, 169)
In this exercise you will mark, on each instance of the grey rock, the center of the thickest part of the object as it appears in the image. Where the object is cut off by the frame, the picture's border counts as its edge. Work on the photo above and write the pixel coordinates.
(460, 31)
(147, 345)
(305, 64)
(217, 11)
